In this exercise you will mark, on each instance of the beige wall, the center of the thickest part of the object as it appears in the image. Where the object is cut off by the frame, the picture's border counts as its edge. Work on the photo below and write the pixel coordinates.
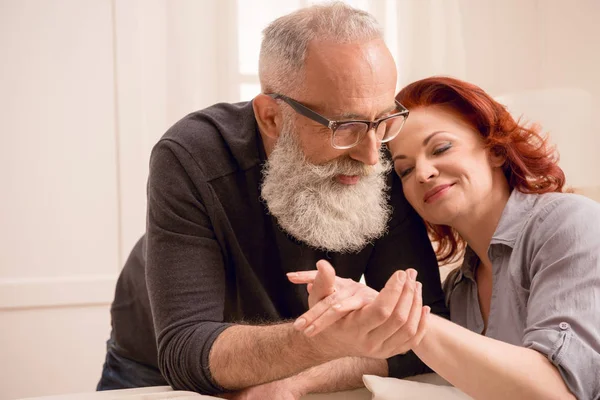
(538, 56)
(87, 87)
(59, 236)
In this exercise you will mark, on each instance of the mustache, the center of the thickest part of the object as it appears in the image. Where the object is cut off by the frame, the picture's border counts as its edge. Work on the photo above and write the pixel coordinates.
(349, 166)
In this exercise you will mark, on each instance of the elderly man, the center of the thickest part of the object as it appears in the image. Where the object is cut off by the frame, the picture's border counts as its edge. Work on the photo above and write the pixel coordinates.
(239, 195)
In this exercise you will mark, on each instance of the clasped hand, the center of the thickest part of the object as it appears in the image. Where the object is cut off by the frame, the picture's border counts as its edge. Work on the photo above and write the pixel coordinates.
(352, 319)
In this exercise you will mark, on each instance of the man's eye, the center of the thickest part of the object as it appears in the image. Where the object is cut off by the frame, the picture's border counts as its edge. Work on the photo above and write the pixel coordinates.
(442, 149)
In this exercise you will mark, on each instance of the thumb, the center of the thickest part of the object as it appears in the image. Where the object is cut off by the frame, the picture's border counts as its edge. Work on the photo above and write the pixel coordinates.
(324, 283)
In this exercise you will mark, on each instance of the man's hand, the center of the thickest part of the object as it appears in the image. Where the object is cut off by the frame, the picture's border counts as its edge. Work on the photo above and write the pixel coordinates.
(284, 389)
(393, 323)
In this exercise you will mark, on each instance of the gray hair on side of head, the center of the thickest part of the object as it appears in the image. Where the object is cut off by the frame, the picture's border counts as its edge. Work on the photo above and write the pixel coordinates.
(285, 40)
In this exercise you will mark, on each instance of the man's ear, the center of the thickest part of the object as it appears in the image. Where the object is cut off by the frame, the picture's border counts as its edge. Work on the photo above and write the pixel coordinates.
(268, 115)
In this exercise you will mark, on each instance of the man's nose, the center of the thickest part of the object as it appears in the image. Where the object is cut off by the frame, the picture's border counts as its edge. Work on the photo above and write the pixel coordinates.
(367, 151)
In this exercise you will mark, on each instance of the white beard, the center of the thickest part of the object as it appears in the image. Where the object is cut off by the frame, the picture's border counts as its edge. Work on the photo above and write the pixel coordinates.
(314, 208)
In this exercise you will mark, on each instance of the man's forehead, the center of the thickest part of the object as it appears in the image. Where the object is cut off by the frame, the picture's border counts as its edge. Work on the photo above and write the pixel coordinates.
(353, 72)
(350, 81)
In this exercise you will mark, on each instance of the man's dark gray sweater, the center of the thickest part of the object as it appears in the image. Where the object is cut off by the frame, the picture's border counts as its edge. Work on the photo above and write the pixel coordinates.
(213, 256)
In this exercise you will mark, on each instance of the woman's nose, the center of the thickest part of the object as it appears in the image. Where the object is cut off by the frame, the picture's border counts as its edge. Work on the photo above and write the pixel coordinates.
(425, 172)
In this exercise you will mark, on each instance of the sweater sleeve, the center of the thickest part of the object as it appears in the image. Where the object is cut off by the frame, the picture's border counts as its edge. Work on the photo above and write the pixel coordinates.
(185, 271)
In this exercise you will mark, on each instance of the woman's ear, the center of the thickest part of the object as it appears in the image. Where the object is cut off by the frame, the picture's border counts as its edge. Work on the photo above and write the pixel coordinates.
(497, 157)
(268, 115)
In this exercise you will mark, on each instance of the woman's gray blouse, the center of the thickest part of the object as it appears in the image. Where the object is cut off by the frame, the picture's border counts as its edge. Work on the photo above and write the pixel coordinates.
(545, 258)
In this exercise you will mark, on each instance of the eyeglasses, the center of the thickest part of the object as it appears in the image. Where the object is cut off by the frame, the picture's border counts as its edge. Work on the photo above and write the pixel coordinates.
(347, 134)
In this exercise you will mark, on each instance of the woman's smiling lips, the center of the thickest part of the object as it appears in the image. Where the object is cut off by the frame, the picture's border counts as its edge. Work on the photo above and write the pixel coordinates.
(436, 193)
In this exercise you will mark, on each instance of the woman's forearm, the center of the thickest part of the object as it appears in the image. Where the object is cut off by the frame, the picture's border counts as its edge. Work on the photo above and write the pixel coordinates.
(486, 368)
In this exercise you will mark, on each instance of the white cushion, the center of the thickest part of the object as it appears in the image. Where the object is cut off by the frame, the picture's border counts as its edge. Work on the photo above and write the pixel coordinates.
(426, 386)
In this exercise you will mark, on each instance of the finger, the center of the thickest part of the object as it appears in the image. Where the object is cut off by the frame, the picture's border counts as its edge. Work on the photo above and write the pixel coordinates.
(409, 300)
(414, 317)
(422, 329)
(377, 312)
(338, 311)
(397, 325)
(324, 283)
(301, 277)
(359, 300)
(398, 332)
(323, 321)
(409, 329)
(305, 320)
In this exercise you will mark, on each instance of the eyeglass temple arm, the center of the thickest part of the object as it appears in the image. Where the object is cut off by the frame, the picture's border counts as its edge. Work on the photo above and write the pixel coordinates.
(300, 109)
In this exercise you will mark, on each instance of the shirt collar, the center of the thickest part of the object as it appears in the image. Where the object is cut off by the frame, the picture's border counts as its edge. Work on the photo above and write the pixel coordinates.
(470, 262)
(515, 214)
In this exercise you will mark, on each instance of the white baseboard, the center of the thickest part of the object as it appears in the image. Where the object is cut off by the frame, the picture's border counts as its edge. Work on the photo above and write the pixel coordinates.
(56, 291)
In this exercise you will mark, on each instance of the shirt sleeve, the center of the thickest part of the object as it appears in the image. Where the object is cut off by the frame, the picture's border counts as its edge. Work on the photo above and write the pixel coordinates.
(406, 245)
(564, 301)
(184, 271)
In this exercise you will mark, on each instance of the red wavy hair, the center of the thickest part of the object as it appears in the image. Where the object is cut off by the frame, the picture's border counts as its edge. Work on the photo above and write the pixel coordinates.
(531, 163)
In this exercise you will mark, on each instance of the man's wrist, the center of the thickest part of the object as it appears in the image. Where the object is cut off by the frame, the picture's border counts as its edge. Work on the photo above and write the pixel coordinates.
(320, 347)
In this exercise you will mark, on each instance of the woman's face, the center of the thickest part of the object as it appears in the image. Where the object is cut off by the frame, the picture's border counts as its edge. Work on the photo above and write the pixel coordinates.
(446, 171)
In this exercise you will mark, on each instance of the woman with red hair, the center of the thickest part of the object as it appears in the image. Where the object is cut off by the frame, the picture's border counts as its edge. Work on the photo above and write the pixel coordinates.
(525, 303)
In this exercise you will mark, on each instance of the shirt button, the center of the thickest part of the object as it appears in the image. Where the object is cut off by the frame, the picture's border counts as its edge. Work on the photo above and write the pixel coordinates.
(564, 326)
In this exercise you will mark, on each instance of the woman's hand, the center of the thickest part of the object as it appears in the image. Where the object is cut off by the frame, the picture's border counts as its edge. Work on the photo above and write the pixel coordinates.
(394, 322)
(332, 298)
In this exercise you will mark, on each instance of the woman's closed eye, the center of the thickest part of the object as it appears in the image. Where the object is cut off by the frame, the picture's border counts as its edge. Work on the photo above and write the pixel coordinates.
(442, 148)
(404, 172)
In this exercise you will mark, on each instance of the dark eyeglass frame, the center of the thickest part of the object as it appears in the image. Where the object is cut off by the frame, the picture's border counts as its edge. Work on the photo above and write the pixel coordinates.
(334, 125)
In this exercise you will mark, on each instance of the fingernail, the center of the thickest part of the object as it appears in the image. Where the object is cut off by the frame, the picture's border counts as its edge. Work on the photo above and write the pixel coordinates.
(292, 274)
(401, 276)
(419, 286)
(336, 306)
(428, 310)
(299, 323)
(413, 274)
(309, 330)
